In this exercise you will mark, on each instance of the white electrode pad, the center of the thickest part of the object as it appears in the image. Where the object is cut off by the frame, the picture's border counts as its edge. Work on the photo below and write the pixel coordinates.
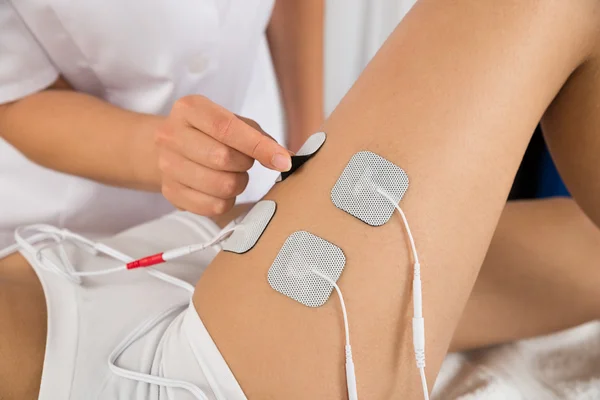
(291, 273)
(312, 144)
(249, 230)
(308, 149)
(356, 189)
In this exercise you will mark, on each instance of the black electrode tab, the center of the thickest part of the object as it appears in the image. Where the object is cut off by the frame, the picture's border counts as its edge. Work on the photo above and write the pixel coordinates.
(306, 152)
(297, 162)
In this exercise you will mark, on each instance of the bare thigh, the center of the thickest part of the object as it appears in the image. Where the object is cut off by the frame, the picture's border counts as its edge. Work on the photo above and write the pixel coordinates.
(22, 329)
(452, 97)
(539, 275)
(571, 127)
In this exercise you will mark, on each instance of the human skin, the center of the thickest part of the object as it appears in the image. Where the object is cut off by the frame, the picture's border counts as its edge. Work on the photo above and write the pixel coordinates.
(537, 278)
(296, 37)
(453, 98)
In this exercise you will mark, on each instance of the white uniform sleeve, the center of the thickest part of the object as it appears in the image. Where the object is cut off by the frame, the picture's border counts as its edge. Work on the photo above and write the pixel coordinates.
(24, 65)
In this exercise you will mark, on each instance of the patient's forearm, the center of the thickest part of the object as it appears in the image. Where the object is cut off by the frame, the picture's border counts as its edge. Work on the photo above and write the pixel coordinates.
(452, 98)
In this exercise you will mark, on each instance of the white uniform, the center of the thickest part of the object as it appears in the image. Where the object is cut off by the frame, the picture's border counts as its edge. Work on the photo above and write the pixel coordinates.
(88, 321)
(139, 55)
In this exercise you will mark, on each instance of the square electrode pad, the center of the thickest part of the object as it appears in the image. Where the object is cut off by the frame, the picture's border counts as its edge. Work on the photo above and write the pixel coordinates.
(291, 273)
(250, 229)
(356, 189)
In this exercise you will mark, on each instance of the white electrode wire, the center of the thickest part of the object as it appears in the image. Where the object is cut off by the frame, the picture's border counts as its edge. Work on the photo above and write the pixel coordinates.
(418, 321)
(147, 326)
(191, 221)
(70, 269)
(101, 272)
(44, 262)
(172, 254)
(343, 304)
(7, 251)
(13, 248)
(424, 383)
(144, 328)
(46, 232)
(350, 373)
(62, 254)
(124, 258)
(136, 334)
(413, 247)
(57, 235)
(170, 279)
(193, 248)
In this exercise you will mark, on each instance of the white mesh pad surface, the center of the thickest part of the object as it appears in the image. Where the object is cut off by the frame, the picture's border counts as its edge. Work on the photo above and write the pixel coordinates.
(356, 190)
(312, 144)
(291, 273)
(251, 227)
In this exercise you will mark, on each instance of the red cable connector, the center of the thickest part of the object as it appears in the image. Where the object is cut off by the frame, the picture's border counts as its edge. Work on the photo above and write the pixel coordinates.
(146, 261)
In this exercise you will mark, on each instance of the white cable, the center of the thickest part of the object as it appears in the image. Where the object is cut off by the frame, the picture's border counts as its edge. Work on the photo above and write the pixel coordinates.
(136, 334)
(413, 248)
(68, 271)
(424, 383)
(124, 258)
(13, 248)
(7, 251)
(193, 248)
(58, 236)
(47, 232)
(146, 327)
(100, 272)
(418, 323)
(350, 373)
(27, 247)
(169, 255)
(191, 221)
(44, 262)
(170, 279)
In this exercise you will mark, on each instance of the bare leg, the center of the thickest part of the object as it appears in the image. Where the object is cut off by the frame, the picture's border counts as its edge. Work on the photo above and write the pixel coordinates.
(22, 330)
(452, 98)
(557, 286)
(539, 276)
(572, 129)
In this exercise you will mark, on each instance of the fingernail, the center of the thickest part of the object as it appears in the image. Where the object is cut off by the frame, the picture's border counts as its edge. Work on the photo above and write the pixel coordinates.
(281, 162)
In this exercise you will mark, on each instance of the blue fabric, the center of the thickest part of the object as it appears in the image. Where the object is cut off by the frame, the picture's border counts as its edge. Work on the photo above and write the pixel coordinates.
(550, 184)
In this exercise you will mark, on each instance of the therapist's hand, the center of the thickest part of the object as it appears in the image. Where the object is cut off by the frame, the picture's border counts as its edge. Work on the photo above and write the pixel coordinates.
(205, 152)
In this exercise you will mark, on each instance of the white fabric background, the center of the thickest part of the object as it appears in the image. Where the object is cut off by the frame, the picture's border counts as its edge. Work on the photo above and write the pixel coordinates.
(354, 31)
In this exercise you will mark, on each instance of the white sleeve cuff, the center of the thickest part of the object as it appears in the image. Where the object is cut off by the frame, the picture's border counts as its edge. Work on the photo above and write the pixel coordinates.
(24, 87)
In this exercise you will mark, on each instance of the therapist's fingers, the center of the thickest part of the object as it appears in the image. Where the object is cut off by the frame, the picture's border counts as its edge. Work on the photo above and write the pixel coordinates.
(221, 184)
(230, 130)
(202, 149)
(188, 199)
(254, 124)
